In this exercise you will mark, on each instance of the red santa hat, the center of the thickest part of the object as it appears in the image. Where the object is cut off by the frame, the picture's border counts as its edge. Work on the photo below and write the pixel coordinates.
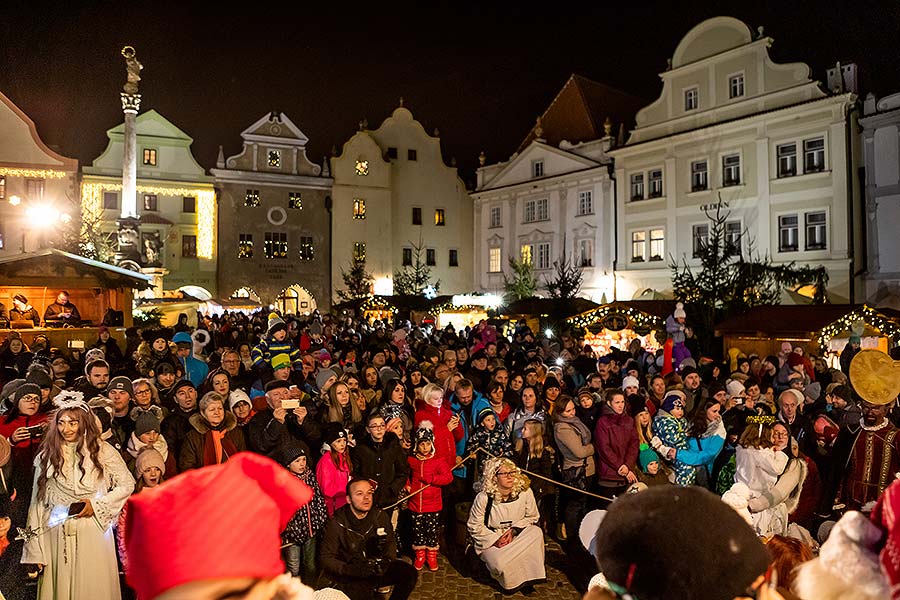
(218, 522)
(887, 516)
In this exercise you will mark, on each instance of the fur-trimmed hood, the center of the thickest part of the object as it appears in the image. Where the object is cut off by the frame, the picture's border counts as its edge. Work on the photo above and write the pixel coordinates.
(200, 423)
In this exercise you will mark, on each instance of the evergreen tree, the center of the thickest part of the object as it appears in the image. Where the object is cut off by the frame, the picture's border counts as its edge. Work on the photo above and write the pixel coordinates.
(522, 283)
(414, 279)
(567, 280)
(84, 236)
(357, 281)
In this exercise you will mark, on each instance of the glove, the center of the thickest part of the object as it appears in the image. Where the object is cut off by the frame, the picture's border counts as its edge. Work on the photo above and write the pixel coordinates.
(362, 569)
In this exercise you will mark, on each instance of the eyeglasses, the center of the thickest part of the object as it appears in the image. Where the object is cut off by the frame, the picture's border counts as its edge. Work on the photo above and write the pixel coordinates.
(143, 392)
(382, 426)
(30, 398)
(505, 473)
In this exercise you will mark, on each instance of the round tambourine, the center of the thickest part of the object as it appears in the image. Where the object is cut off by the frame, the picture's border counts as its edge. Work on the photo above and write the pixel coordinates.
(875, 376)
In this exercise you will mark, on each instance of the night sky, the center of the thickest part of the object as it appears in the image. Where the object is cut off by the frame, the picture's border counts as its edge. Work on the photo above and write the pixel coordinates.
(480, 75)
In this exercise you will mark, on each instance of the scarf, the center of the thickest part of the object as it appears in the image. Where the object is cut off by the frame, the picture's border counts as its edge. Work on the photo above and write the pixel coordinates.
(580, 427)
(217, 447)
(135, 445)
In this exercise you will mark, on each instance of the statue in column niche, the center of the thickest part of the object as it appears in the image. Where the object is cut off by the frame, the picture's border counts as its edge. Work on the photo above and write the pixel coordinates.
(152, 252)
(133, 70)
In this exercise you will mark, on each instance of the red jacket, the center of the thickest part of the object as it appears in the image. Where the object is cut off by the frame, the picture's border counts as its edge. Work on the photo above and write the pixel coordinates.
(7, 429)
(617, 444)
(423, 472)
(444, 439)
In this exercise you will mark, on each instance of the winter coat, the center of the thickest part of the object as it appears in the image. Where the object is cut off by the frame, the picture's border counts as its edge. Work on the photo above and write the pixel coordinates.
(672, 433)
(268, 435)
(333, 481)
(423, 472)
(193, 450)
(467, 417)
(346, 543)
(268, 347)
(111, 352)
(574, 452)
(195, 370)
(615, 438)
(383, 462)
(175, 428)
(444, 440)
(496, 442)
(309, 518)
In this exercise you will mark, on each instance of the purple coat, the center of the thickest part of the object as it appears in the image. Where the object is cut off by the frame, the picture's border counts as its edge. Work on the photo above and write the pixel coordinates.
(615, 438)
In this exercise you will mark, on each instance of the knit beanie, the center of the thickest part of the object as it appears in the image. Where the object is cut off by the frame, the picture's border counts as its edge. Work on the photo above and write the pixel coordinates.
(734, 388)
(120, 383)
(146, 458)
(813, 390)
(646, 456)
(40, 377)
(275, 323)
(145, 422)
(630, 381)
(235, 397)
(323, 376)
(425, 432)
(280, 361)
(333, 431)
(551, 382)
(679, 311)
(636, 405)
(26, 389)
(483, 414)
(671, 398)
(291, 452)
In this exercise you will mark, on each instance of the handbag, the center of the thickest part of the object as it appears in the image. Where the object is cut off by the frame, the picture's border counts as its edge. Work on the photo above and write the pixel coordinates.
(576, 476)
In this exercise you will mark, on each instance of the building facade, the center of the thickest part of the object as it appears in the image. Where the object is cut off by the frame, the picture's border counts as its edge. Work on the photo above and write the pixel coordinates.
(555, 195)
(881, 151)
(274, 237)
(762, 138)
(38, 187)
(176, 203)
(394, 193)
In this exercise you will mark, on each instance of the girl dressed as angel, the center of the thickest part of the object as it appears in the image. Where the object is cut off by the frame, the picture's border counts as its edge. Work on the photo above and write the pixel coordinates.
(81, 484)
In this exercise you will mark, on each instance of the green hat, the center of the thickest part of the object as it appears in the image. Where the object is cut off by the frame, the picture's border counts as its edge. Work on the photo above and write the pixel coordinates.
(280, 361)
(646, 456)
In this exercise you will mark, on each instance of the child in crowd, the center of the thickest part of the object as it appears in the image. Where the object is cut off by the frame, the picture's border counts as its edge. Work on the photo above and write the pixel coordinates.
(275, 342)
(146, 435)
(430, 473)
(489, 435)
(334, 468)
(304, 526)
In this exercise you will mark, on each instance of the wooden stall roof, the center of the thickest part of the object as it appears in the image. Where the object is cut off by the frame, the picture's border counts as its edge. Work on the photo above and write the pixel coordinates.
(548, 306)
(790, 321)
(43, 266)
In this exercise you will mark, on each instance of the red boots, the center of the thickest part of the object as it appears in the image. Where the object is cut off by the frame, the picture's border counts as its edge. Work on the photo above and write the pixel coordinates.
(420, 559)
(432, 559)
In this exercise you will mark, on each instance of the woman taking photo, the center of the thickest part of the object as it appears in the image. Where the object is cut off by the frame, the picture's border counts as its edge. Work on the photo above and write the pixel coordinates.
(214, 437)
(76, 475)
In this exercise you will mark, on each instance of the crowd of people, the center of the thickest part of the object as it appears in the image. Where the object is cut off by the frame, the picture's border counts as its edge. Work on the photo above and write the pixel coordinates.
(436, 444)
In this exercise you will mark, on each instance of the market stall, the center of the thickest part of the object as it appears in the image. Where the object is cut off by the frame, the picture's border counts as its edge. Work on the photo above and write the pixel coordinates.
(541, 314)
(465, 310)
(617, 323)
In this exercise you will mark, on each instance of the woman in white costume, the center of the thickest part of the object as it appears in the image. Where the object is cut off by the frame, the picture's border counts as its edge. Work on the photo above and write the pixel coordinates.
(79, 474)
(503, 527)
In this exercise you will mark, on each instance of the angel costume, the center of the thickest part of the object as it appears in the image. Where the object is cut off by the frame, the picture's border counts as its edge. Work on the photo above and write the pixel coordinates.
(79, 556)
(522, 560)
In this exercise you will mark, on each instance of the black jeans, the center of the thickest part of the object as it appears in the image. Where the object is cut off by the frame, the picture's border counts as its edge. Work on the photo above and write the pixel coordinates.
(399, 574)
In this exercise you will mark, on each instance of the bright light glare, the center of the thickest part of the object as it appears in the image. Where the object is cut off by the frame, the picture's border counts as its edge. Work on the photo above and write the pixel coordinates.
(560, 361)
(42, 215)
(548, 333)
(383, 286)
(429, 292)
(65, 218)
(15, 200)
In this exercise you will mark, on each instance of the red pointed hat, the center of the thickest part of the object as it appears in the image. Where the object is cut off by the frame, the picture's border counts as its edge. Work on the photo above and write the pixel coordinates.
(218, 522)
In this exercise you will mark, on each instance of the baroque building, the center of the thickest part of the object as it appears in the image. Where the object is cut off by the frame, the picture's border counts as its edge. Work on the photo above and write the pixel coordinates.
(274, 241)
(765, 140)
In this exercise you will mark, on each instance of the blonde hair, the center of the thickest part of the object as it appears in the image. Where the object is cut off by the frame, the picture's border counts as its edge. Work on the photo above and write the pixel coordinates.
(489, 482)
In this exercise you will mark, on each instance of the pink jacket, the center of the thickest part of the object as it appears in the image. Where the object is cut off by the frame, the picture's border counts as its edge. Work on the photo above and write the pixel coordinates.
(333, 481)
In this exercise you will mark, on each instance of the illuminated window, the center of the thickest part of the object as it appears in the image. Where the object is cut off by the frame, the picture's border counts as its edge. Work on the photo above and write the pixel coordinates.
(359, 208)
(150, 202)
(274, 161)
(188, 204)
(362, 167)
(2, 240)
(638, 246)
(657, 244)
(359, 251)
(2, 188)
(430, 257)
(189, 246)
(407, 257)
(111, 200)
(453, 259)
(307, 252)
(149, 157)
(439, 216)
(416, 215)
(275, 245)
(494, 260)
(245, 245)
(251, 198)
(526, 252)
(295, 200)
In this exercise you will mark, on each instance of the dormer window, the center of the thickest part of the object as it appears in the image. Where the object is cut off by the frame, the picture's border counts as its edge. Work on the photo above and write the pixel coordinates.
(691, 98)
(537, 168)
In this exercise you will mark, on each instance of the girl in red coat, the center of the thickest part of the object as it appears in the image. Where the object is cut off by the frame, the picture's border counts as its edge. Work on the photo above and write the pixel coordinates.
(425, 469)
(445, 425)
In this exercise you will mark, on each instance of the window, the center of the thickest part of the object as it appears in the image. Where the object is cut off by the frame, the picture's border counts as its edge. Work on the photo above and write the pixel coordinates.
(541, 209)
(150, 202)
(307, 251)
(637, 186)
(736, 86)
(537, 168)
(295, 200)
(787, 159)
(453, 258)
(189, 246)
(700, 240)
(359, 251)
(359, 208)
(412, 155)
(655, 181)
(2, 188)
(691, 98)
(543, 256)
(526, 253)
(276, 245)
(417, 215)
(731, 170)
(699, 176)
(34, 189)
(2, 240)
(496, 216)
(529, 211)
(407, 257)
(362, 168)
(149, 157)
(392, 152)
(814, 155)
(111, 200)
(188, 204)
(439, 217)
(245, 245)
(787, 233)
(494, 260)
(657, 244)
(733, 238)
(815, 231)
(430, 257)
(274, 160)
(586, 253)
(585, 202)
(251, 198)
(638, 246)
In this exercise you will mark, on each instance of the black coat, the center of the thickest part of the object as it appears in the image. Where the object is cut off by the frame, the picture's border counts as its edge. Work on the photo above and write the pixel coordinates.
(383, 462)
(268, 435)
(349, 541)
(175, 428)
